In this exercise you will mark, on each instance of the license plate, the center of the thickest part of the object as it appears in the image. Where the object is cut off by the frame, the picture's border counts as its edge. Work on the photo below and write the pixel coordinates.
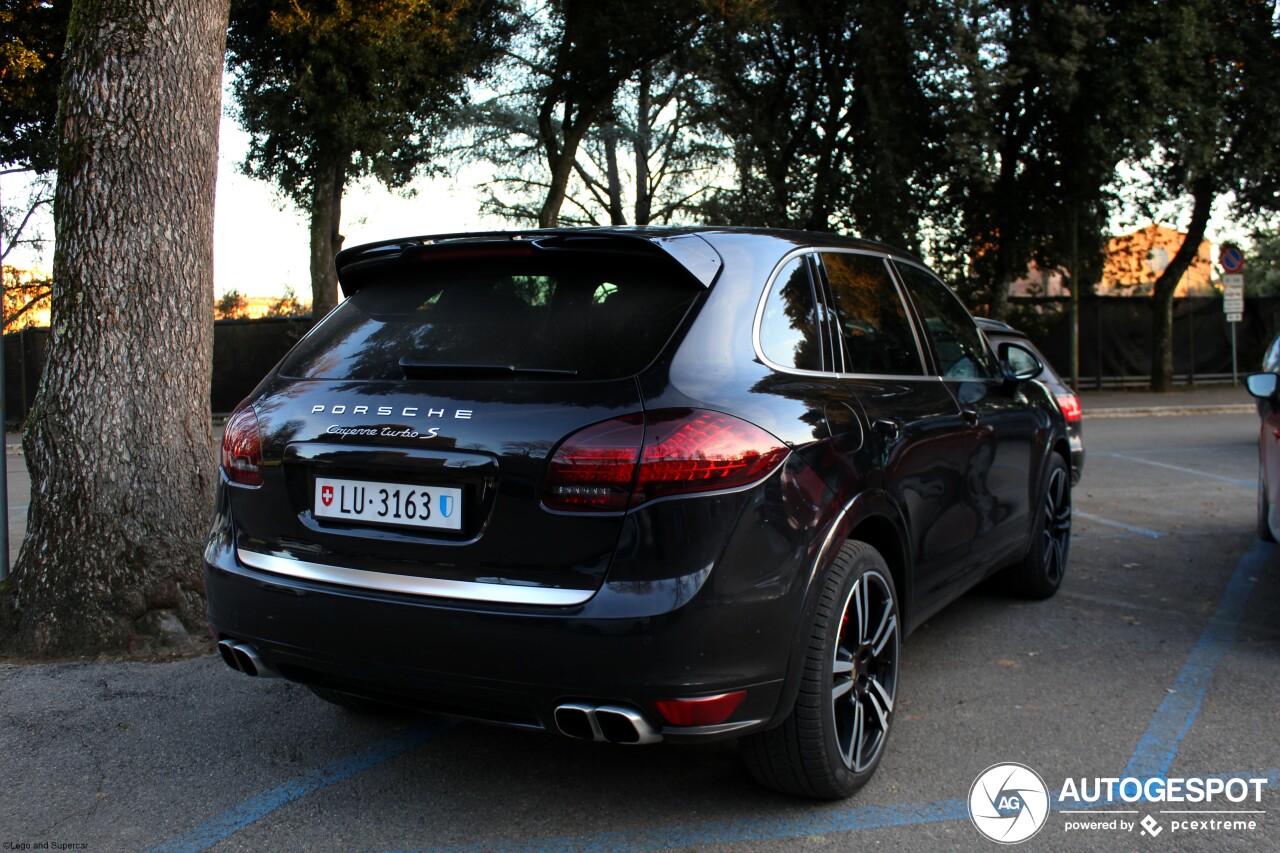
(432, 507)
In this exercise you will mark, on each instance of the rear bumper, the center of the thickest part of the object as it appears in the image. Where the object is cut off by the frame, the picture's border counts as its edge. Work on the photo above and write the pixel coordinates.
(668, 623)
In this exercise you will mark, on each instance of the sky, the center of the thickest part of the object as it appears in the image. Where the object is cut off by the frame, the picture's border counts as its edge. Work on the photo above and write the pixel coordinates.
(261, 242)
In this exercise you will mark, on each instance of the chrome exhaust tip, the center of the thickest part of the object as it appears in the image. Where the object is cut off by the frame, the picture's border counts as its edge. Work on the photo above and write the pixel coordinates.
(608, 723)
(251, 663)
(623, 725)
(245, 658)
(226, 650)
(575, 721)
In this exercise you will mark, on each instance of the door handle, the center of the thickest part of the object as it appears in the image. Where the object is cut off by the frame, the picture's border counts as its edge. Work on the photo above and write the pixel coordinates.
(890, 428)
(970, 416)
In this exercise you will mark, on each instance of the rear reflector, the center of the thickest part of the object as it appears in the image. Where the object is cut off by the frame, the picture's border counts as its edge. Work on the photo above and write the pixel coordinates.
(623, 462)
(242, 447)
(1070, 405)
(700, 711)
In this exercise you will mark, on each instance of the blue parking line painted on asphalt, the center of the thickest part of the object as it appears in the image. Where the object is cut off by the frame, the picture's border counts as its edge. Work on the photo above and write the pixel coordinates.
(1173, 719)
(1142, 531)
(1251, 484)
(1152, 758)
(766, 829)
(234, 819)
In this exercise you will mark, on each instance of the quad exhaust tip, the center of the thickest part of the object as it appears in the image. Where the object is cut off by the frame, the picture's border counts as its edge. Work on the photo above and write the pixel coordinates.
(609, 723)
(244, 658)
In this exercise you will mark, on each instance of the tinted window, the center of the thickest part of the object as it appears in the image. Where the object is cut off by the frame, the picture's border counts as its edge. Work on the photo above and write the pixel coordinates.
(1271, 362)
(789, 327)
(873, 321)
(962, 353)
(593, 318)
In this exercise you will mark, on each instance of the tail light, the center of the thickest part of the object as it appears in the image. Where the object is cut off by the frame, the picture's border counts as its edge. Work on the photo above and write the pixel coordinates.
(1070, 405)
(626, 461)
(242, 447)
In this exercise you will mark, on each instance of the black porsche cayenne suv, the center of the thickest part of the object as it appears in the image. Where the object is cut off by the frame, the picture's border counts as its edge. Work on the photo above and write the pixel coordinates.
(633, 485)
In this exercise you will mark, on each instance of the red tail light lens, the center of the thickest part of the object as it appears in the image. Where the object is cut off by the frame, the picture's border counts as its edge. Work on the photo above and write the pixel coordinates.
(1070, 405)
(695, 451)
(242, 447)
(594, 469)
(626, 461)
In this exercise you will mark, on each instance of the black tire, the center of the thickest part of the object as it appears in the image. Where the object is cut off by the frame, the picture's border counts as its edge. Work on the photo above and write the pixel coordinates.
(1039, 574)
(831, 743)
(355, 704)
(1264, 508)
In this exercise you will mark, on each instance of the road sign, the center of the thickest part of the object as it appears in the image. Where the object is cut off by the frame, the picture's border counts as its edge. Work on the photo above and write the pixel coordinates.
(1231, 258)
(1233, 296)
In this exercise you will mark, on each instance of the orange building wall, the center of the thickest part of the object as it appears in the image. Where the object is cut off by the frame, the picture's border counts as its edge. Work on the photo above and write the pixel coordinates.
(1134, 262)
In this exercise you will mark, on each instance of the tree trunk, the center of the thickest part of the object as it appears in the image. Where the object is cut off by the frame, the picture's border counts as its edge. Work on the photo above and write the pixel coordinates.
(119, 443)
(560, 146)
(643, 146)
(1167, 284)
(326, 222)
(613, 178)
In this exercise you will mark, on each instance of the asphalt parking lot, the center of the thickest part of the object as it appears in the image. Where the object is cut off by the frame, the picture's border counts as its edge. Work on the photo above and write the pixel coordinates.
(1160, 657)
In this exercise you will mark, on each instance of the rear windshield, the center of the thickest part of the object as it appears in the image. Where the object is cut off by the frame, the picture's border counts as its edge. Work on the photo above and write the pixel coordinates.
(593, 316)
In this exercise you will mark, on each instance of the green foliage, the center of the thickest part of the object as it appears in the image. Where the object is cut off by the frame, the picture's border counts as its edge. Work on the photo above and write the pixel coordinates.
(646, 160)
(1050, 98)
(361, 85)
(32, 33)
(828, 108)
(1221, 67)
(231, 305)
(287, 305)
(1262, 269)
(587, 86)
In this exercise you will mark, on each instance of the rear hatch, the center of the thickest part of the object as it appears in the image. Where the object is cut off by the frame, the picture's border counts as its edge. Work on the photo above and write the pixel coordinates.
(404, 441)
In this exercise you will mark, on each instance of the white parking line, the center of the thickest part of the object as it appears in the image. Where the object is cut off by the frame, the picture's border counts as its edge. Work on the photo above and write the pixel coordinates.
(1154, 534)
(1252, 484)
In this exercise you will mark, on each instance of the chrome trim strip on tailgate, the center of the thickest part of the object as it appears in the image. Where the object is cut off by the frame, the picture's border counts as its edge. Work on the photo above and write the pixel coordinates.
(385, 582)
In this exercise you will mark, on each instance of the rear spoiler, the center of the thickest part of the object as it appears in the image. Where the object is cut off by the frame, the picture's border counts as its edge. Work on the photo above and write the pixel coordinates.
(360, 264)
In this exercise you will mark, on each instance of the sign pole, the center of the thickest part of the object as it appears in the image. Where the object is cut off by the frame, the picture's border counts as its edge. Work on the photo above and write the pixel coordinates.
(1235, 372)
(1232, 261)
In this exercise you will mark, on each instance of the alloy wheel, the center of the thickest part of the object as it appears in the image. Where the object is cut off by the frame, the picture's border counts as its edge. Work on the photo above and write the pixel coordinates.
(1057, 525)
(864, 671)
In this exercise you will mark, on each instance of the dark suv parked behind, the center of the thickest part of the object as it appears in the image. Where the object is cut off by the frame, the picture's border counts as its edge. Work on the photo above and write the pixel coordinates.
(633, 485)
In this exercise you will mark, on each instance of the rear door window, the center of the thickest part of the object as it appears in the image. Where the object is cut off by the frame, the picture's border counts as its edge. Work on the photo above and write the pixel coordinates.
(874, 327)
(586, 317)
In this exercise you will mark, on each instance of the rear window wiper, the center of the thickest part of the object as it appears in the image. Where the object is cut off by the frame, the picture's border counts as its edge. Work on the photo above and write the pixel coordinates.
(415, 369)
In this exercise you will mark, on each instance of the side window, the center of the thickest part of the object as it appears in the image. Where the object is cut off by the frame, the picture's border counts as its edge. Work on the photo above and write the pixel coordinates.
(789, 327)
(873, 320)
(1271, 362)
(962, 352)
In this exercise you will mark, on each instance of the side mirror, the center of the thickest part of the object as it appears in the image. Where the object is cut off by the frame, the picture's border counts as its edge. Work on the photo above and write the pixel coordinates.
(1018, 362)
(1261, 385)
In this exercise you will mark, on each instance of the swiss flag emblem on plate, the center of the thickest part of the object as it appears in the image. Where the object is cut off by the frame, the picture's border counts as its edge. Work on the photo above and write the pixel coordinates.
(326, 495)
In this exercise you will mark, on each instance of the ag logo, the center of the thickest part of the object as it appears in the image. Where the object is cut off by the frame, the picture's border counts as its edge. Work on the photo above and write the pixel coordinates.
(1008, 803)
